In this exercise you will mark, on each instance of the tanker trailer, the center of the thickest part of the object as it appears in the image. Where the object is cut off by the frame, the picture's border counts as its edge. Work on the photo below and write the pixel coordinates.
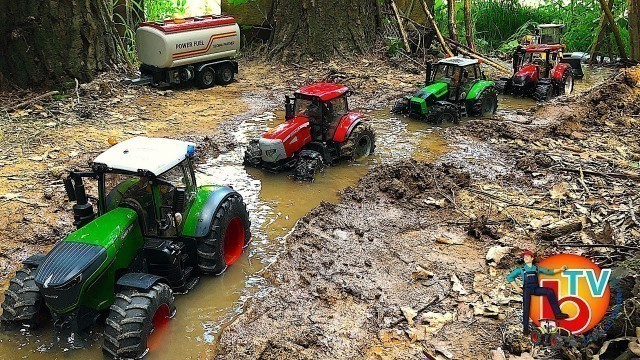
(176, 51)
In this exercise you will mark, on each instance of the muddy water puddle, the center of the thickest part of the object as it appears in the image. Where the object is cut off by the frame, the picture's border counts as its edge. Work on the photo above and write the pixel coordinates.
(275, 203)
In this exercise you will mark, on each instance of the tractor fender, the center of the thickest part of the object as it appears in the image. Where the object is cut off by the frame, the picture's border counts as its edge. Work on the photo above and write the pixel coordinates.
(347, 123)
(478, 88)
(139, 281)
(204, 208)
(559, 70)
(34, 261)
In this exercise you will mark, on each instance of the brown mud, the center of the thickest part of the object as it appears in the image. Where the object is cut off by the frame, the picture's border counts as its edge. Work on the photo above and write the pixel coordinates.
(410, 236)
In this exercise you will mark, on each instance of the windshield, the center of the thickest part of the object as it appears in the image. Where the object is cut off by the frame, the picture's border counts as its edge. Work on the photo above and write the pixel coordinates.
(444, 72)
(307, 108)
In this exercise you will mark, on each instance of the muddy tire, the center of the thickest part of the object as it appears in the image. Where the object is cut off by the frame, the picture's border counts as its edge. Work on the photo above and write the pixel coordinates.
(22, 300)
(501, 86)
(205, 78)
(308, 166)
(224, 74)
(229, 234)
(134, 315)
(543, 92)
(361, 143)
(401, 107)
(486, 104)
(536, 336)
(556, 341)
(252, 155)
(441, 113)
(566, 84)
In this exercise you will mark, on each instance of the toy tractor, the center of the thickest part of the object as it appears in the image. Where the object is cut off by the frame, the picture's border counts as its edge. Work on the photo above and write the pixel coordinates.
(319, 130)
(548, 333)
(454, 87)
(153, 233)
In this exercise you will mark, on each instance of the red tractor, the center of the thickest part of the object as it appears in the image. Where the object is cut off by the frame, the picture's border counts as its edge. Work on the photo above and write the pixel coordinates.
(319, 130)
(539, 71)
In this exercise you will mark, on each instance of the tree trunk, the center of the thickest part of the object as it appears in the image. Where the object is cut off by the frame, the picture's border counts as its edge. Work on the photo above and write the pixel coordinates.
(451, 10)
(321, 28)
(634, 28)
(614, 28)
(468, 25)
(599, 38)
(47, 42)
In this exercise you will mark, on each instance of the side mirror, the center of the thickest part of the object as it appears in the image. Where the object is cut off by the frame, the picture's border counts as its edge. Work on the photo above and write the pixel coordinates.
(288, 106)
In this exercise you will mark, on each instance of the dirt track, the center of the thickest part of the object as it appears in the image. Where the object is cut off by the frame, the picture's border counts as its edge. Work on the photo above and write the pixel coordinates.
(356, 273)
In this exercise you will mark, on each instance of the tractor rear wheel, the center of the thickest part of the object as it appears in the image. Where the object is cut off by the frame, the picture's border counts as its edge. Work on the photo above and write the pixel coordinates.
(224, 74)
(441, 113)
(22, 300)
(566, 85)
(133, 317)
(205, 78)
(543, 92)
(361, 143)
(229, 234)
(556, 341)
(252, 155)
(486, 104)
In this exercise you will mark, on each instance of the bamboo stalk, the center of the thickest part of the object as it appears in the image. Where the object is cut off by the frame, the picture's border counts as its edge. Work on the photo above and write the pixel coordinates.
(433, 24)
(451, 10)
(405, 38)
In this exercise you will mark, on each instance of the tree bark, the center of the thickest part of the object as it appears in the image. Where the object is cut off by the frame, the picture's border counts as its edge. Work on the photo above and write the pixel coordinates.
(634, 28)
(434, 25)
(614, 28)
(599, 39)
(321, 28)
(468, 25)
(48, 42)
(451, 11)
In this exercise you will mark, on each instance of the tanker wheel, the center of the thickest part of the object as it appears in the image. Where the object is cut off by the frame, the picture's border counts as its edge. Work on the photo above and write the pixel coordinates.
(22, 300)
(360, 144)
(536, 336)
(224, 74)
(543, 92)
(206, 77)
(566, 85)
(487, 103)
(136, 321)
(441, 113)
(229, 234)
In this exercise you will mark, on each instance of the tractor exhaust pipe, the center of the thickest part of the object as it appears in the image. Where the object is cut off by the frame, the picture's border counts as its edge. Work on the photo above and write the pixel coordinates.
(288, 106)
(83, 209)
(429, 70)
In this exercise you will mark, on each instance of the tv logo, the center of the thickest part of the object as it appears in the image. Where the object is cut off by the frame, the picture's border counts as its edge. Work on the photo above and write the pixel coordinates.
(582, 290)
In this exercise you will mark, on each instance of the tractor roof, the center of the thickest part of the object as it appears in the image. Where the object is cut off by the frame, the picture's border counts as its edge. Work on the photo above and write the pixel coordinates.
(548, 26)
(543, 48)
(325, 91)
(458, 61)
(155, 155)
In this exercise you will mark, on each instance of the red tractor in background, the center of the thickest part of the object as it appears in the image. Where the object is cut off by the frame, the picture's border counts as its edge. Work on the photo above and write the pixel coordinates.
(540, 68)
(319, 130)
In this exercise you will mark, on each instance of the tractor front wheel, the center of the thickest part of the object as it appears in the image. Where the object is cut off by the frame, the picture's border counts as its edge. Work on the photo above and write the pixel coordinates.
(501, 85)
(536, 336)
(136, 320)
(206, 77)
(253, 155)
(22, 300)
(309, 164)
(224, 74)
(543, 92)
(401, 107)
(229, 234)
(486, 104)
(360, 144)
(441, 113)
(556, 341)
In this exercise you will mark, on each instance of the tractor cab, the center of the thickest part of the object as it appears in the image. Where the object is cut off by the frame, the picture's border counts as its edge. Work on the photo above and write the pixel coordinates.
(549, 34)
(157, 188)
(460, 74)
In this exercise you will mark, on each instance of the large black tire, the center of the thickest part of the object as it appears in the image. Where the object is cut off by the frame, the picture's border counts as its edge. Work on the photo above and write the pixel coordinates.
(206, 77)
(252, 155)
(566, 84)
(400, 107)
(556, 341)
(543, 92)
(224, 74)
(443, 112)
(501, 85)
(133, 317)
(536, 336)
(486, 104)
(308, 166)
(22, 300)
(360, 143)
(230, 233)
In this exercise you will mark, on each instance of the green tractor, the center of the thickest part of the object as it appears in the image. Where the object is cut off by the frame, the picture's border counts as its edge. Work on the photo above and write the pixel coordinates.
(154, 232)
(455, 87)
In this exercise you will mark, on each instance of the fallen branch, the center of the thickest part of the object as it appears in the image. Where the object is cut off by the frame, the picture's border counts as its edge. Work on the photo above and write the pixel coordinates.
(597, 173)
(495, 197)
(613, 246)
(433, 24)
(465, 50)
(560, 228)
(405, 38)
(31, 101)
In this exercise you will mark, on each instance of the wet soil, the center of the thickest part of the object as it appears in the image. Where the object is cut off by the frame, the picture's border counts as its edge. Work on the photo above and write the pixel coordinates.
(332, 284)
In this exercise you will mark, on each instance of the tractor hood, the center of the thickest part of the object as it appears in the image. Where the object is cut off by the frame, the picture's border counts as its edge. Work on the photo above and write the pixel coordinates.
(285, 139)
(438, 90)
(526, 74)
(79, 259)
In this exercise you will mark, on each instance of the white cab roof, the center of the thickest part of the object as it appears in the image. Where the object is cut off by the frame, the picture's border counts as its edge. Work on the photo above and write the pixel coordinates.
(156, 155)
(458, 61)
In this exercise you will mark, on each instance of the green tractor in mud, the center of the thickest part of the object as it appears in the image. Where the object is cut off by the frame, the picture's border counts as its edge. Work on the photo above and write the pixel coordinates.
(155, 231)
(455, 88)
